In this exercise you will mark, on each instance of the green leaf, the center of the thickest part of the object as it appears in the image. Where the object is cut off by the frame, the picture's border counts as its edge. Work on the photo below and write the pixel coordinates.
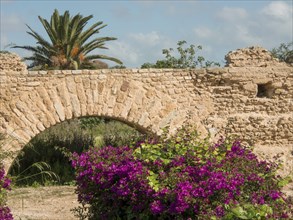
(153, 182)
(239, 212)
(284, 181)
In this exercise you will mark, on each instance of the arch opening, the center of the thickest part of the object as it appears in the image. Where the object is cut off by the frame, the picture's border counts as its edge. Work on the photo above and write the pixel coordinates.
(75, 135)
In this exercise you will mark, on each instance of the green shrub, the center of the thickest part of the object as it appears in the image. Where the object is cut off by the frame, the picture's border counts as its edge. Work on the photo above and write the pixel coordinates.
(51, 146)
(41, 159)
(178, 178)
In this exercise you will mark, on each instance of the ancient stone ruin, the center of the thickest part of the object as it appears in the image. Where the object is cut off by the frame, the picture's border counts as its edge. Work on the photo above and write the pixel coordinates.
(11, 62)
(252, 56)
(251, 98)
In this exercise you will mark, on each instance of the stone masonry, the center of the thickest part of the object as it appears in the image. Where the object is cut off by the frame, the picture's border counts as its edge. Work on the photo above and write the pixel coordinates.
(252, 102)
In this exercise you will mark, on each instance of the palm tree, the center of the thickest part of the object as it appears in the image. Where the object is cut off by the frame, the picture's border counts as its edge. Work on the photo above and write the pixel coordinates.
(68, 47)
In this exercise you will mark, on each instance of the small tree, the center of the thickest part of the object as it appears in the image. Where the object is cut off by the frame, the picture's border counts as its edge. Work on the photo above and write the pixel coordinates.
(187, 58)
(69, 44)
(284, 52)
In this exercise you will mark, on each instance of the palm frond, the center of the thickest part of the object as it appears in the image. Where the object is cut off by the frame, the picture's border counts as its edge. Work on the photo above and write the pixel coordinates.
(97, 43)
(90, 32)
(39, 38)
(69, 41)
(50, 31)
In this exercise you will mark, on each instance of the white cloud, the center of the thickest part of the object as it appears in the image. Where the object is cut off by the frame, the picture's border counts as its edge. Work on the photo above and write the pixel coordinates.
(276, 22)
(232, 14)
(203, 32)
(246, 35)
(241, 28)
(124, 52)
(226, 35)
(138, 48)
(148, 39)
(279, 10)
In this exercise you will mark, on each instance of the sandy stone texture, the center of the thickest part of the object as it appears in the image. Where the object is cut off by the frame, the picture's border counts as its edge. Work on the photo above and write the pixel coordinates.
(43, 203)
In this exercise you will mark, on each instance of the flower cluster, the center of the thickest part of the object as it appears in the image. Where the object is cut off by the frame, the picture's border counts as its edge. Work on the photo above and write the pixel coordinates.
(223, 181)
(112, 179)
(4, 181)
(5, 213)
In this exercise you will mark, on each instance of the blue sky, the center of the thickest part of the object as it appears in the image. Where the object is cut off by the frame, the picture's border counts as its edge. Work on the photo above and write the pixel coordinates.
(144, 28)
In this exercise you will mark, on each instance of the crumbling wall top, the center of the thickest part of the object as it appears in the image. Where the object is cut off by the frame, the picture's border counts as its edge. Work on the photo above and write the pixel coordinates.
(251, 56)
(11, 62)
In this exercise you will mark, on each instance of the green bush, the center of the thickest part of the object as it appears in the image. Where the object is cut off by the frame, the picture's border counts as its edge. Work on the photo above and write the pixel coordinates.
(44, 149)
(178, 178)
(187, 58)
(284, 52)
(44, 159)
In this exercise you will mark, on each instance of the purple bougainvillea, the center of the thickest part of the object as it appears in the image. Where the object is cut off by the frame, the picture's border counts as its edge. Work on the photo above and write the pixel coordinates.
(168, 182)
(5, 213)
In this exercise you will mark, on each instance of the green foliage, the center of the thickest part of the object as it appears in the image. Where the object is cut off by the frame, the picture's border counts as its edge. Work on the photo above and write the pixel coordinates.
(55, 145)
(179, 177)
(89, 123)
(248, 211)
(46, 147)
(69, 44)
(109, 132)
(187, 140)
(284, 52)
(187, 58)
(37, 171)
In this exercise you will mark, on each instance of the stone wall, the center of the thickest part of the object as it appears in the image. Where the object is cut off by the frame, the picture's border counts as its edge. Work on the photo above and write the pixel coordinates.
(11, 62)
(254, 103)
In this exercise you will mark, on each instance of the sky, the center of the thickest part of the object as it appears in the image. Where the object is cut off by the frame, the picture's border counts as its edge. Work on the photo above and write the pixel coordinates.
(144, 28)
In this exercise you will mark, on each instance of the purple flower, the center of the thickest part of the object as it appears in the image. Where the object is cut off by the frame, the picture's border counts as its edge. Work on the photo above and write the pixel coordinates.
(275, 195)
(190, 185)
(237, 149)
(219, 211)
(6, 184)
(261, 200)
(5, 213)
(178, 161)
(157, 207)
(178, 206)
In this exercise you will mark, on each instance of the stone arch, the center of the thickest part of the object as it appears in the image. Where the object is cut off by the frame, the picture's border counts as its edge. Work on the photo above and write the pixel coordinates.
(26, 148)
(220, 100)
(41, 101)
